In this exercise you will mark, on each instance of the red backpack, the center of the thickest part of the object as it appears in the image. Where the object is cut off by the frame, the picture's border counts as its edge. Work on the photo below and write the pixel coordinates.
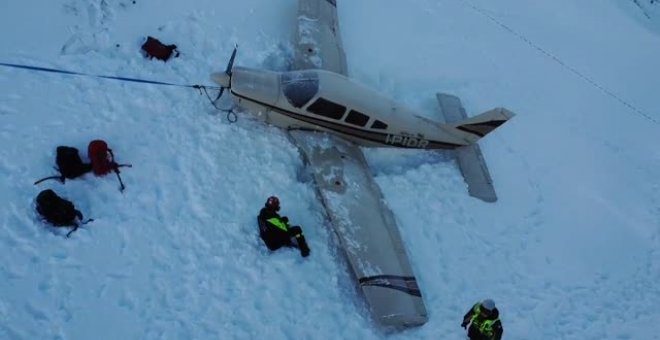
(103, 160)
(101, 157)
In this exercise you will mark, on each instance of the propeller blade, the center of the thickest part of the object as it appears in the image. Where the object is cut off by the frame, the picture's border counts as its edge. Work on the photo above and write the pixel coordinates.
(231, 61)
(225, 80)
(222, 89)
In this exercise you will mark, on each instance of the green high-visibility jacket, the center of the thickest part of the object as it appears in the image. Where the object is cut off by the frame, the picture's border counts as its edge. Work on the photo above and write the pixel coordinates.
(278, 223)
(483, 328)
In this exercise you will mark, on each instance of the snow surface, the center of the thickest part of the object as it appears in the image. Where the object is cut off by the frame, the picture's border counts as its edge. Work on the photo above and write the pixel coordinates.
(570, 251)
(646, 11)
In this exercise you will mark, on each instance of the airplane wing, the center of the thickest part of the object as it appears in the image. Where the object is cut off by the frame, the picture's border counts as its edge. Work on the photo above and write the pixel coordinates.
(353, 201)
(318, 42)
(366, 227)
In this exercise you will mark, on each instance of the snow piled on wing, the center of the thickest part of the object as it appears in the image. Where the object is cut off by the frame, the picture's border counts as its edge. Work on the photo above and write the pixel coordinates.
(308, 29)
(366, 229)
(338, 202)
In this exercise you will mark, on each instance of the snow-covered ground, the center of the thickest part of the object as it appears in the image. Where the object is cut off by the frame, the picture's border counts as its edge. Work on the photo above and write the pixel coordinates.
(645, 11)
(570, 251)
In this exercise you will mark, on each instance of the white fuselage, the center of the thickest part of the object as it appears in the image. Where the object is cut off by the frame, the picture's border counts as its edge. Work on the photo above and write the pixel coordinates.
(326, 101)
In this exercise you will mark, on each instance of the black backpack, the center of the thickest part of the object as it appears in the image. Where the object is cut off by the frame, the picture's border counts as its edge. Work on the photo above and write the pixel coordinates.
(58, 211)
(69, 164)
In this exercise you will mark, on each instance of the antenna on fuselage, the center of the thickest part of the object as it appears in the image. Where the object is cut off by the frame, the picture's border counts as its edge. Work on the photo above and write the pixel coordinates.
(224, 79)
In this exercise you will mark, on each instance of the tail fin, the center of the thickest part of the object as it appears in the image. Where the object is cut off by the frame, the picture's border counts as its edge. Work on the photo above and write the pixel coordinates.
(478, 126)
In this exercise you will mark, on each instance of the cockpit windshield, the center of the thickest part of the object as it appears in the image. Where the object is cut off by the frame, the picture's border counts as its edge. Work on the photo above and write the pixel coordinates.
(300, 87)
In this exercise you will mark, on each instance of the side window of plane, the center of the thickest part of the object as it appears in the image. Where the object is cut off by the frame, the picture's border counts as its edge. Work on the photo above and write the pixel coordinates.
(357, 118)
(327, 108)
(300, 87)
(379, 125)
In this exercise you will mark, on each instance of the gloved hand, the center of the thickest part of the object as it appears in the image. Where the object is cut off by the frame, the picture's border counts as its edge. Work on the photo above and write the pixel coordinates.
(285, 219)
(464, 324)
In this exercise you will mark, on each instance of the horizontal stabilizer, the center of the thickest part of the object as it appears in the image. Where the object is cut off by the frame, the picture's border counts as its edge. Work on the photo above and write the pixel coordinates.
(475, 172)
(470, 159)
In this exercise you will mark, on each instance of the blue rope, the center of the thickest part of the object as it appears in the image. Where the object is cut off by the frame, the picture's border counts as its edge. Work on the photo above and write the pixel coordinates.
(134, 80)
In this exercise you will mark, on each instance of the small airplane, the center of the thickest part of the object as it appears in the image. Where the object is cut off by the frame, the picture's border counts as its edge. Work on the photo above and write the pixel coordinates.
(318, 96)
(326, 101)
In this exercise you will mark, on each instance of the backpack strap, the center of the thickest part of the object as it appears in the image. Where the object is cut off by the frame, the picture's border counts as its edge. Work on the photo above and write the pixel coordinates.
(115, 168)
(80, 218)
(121, 183)
(115, 164)
(61, 178)
(77, 225)
(112, 155)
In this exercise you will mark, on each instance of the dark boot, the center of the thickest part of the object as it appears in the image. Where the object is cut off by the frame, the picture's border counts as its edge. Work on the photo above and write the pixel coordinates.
(302, 244)
(297, 233)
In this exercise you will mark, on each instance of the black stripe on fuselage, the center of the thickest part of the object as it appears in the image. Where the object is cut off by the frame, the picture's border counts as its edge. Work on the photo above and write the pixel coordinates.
(406, 284)
(332, 2)
(374, 137)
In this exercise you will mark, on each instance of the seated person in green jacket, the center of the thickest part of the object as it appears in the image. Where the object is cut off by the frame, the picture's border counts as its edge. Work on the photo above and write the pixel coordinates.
(275, 230)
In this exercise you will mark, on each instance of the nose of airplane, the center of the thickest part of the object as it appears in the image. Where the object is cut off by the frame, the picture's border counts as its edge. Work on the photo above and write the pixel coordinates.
(256, 85)
(221, 78)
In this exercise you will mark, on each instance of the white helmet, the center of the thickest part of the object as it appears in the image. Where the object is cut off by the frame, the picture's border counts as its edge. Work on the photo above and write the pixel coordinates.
(488, 304)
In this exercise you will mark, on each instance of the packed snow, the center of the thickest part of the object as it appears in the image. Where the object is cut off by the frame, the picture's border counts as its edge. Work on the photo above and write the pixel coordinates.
(571, 250)
(646, 11)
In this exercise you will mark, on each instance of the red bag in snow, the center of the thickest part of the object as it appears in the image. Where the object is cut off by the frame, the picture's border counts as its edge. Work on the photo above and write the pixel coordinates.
(153, 48)
(101, 157)
(103, 160)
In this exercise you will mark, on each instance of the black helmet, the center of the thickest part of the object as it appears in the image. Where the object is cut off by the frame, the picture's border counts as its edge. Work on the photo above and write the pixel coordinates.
(273, 203)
